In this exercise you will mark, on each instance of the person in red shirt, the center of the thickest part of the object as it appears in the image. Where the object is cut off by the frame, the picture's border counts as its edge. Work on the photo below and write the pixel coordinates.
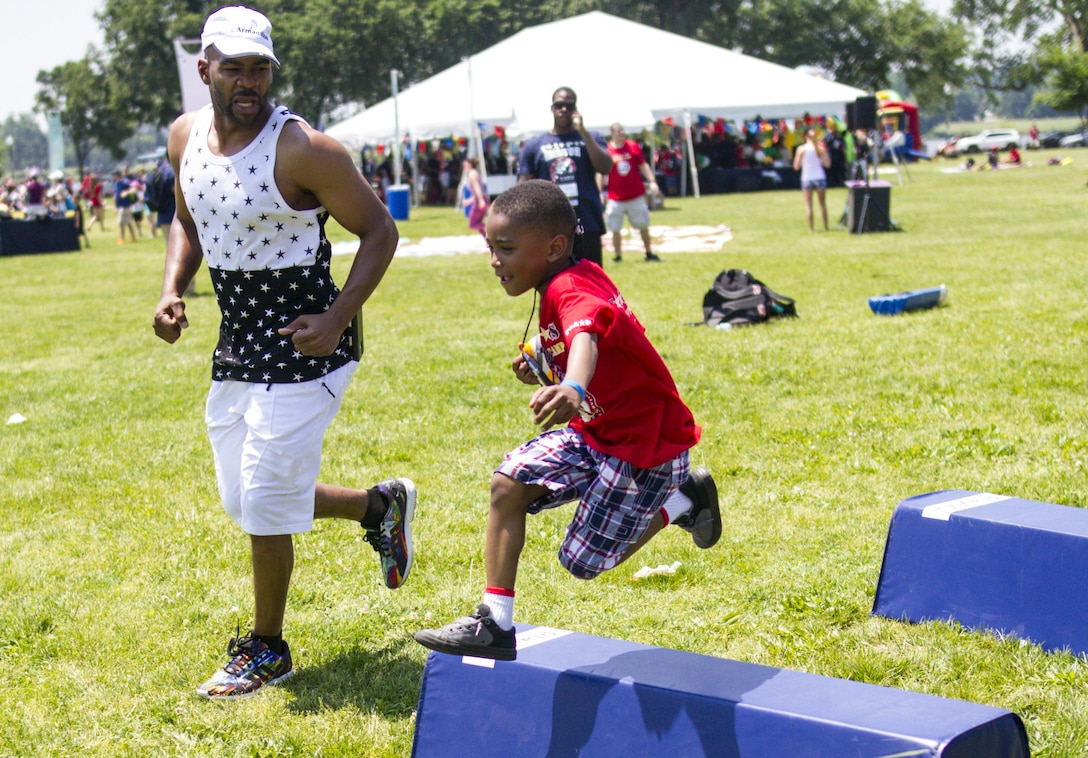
(623, 455)
(626, 192)
(91, 189)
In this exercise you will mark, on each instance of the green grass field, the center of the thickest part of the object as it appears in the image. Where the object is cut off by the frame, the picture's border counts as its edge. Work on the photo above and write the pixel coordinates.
(121, 578)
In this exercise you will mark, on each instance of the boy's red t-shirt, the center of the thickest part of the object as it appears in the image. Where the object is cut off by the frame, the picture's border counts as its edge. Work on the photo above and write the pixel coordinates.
(634, 410)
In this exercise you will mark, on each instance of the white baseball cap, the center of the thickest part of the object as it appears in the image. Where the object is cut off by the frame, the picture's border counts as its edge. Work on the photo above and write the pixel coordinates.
(237, 32)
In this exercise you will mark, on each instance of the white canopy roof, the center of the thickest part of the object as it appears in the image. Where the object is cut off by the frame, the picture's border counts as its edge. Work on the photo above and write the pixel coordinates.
(622, 71)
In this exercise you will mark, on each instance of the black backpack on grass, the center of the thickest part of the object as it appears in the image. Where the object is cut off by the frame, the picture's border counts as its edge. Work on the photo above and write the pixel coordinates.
(738, 298)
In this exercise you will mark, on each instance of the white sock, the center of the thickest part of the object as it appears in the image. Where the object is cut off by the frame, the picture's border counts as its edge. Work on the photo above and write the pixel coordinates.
(677, 504)
(502, 608)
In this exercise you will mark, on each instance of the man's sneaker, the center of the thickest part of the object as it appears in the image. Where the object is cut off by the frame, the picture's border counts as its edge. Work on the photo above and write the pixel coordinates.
(392, 540)
(652, 258)
(252, 665)
(477, 635)
(704, 521)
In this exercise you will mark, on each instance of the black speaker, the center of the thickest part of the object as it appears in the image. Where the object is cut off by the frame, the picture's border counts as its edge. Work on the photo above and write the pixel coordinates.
(865, 113)
(851, 117)
(877, 211)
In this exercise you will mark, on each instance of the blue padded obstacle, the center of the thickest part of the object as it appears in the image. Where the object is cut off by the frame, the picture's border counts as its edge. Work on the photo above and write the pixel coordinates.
(989, 562)
(572, 694)
(915, 300)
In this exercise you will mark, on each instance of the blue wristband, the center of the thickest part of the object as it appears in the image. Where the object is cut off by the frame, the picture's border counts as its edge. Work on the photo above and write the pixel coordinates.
(579, 388)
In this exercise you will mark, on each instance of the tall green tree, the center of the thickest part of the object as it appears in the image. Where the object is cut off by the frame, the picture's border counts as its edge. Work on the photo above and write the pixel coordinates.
(1066, 75)
(29, 144)
(337, 51)
(89, 106)
(139, 37)
(698, 19)
(930, 52)
(1019, 39)
(860, 42)
(327, 52)
(448, 30)
(1011, 24)
(333, 51)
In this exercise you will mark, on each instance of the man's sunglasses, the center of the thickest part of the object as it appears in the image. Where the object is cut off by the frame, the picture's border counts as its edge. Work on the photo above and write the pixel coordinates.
(559, 105)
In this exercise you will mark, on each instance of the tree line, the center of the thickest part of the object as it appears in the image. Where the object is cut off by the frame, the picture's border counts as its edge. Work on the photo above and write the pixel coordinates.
(340, 51)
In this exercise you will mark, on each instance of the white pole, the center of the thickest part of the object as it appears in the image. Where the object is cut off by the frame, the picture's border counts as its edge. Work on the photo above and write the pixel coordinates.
(413, 145)
(396, 128)
(691, 154)
(474, 128)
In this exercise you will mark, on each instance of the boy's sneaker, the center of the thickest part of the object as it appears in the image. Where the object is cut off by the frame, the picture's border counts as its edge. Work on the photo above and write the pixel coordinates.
(392, 540)
(252, 665)
(704, 521)
(477, 635)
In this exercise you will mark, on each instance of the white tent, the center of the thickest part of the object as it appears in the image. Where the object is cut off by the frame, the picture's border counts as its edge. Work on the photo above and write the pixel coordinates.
(622, 71)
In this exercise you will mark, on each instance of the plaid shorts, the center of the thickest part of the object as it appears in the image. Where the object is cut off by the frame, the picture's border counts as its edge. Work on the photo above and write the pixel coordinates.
(616, 501)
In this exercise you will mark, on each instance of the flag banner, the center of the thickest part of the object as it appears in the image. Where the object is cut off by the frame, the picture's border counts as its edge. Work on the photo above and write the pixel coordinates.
(194, 93)
(56, 142)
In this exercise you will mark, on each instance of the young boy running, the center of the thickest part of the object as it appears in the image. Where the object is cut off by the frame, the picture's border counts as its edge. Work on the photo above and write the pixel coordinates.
(624, 455)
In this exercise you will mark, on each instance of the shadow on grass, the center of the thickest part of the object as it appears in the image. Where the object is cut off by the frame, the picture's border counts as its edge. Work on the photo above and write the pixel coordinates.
(385, 681)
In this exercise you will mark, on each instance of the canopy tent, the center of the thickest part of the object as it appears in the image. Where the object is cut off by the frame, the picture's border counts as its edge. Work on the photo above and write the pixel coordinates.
(511, 83)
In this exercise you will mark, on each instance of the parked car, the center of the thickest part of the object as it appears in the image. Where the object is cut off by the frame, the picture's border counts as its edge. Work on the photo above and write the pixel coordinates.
(1051, 138)
(1073, 140)
(1002, 139)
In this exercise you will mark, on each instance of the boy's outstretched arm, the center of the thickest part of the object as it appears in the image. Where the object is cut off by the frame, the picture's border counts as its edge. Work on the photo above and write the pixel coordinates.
(559, 403)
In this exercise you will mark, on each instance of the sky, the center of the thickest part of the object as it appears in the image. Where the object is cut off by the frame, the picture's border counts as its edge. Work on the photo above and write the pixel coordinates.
(41, 34)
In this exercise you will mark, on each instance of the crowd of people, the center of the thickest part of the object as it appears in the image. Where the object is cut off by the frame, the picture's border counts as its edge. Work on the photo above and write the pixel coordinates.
(37, 197)
(762, 144)
(443, 176)
(993, 160)
(441, 166)
(137, 196)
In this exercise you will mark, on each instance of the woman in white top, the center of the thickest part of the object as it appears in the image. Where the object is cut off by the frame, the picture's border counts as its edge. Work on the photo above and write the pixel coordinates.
(811, 159)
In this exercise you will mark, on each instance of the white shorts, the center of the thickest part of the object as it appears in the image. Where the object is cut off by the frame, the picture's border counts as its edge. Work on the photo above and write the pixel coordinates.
(636, 210)
(266, 441)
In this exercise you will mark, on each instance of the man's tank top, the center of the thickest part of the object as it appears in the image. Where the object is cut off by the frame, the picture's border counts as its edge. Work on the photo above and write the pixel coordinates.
(269, 263)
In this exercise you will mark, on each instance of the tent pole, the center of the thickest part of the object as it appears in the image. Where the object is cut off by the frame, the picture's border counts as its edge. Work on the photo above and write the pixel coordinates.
(396, 128)
(474, 128)
(683, 163)
(413, 145)
(691, 154)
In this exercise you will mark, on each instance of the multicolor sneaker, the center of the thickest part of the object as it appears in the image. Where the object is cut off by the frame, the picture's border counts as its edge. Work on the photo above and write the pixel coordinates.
(252, 665)
(392, 540)
(704, 521)
(476, 635)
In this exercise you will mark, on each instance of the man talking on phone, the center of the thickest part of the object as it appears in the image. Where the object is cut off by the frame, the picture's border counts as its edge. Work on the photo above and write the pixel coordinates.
(571, 157)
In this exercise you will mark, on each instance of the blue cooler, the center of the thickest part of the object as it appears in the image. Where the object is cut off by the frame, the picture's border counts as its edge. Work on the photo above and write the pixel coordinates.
(396, 198)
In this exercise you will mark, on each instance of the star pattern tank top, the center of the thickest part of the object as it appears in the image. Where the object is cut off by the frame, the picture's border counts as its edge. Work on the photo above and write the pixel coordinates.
(269, 263)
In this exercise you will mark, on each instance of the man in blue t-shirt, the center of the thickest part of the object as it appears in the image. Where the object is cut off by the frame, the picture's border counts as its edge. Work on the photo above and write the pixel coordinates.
(124, 197)
(571, 157)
